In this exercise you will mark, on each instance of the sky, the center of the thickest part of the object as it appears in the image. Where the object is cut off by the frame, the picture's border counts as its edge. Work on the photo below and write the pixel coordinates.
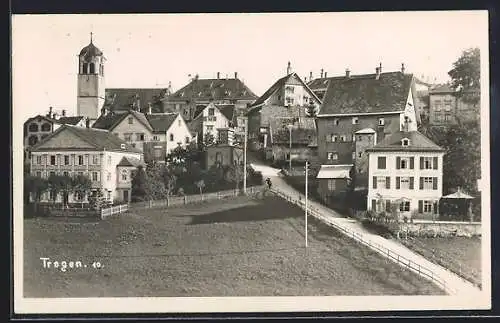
(149, 51)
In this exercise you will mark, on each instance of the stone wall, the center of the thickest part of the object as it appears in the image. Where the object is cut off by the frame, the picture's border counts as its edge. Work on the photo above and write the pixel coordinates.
(442, 228)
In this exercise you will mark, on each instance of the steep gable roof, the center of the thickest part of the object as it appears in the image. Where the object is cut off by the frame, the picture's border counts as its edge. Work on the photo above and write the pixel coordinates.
(215, 89)
(161, 122)
(228, 110)
(280, 83)
(69, 120)
(111, 120)
(418, 142)
(130, 161)
(97, 138)
(367, 94)
(125, 98)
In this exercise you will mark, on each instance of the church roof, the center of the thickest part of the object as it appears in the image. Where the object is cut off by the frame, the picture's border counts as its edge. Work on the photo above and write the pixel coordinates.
(90, 50)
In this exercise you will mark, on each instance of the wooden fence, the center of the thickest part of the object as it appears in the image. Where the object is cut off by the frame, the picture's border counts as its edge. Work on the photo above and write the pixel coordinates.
(114, 210)
(390, 254)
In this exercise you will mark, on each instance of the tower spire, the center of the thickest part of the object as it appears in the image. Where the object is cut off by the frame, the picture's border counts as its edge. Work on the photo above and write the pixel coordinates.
(91, 34)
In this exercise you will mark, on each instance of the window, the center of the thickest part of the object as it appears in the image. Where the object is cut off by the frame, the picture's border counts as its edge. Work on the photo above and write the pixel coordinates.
(336, 122)
(127, 136)
(360, 154)
(447, 117)
(139, 136)
(428, 183)
(382, 182)
(52, 174)
(39, 160)
(187, 140)
(427, 206)
(404, 206)
(80, 160)
(157, 153)
(404, 183)
(353, 155)
(130, 120)
(331, 185)
(381, 162)
(66, 160)
(360, 138)
(133, 145)
(333, 138)
(405, 162)
(124, 176)
(425, 162)
(355, 120)
(92, 68)
(447, 103)
(209, 128)
(85, 69)
(289, 100)
(95, 159)
(381, 121)
(343, 138)
(46, 127)
(52, 160)
(33, 127)
(33, 139)
(66, 174)
(155, 138)
(94, 176)
(171, 137)
(108, 176)
(38, 174)
(211, 111)
(109, 160)
(405, 142)
(332, 156)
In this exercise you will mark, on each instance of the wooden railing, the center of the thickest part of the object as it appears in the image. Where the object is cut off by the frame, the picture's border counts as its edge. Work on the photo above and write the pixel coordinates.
(390, 254)
(113, 210)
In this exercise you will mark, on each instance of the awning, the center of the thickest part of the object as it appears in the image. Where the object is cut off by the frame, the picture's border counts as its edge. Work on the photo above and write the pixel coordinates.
(334, 171)
(458, 195)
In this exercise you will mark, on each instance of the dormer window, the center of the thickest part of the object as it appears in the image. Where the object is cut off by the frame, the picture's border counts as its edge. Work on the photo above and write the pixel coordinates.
(405, 142)
(122, 146)
(336, 122)
(381, 121)
(355, 120)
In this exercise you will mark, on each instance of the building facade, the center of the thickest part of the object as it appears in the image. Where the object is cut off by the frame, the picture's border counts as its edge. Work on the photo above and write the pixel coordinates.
(208, 121)
(446, 107)
(405, 175)
(72, 151)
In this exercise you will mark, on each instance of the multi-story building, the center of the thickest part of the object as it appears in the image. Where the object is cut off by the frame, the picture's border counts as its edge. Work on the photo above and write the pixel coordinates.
(287, 102)
(97, 154)
(446, 107)
(382, 103)
(204, 91)
(210, 119)
(405, 175)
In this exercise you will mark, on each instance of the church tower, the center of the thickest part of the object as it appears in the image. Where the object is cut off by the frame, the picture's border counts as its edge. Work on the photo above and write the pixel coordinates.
(91, 86)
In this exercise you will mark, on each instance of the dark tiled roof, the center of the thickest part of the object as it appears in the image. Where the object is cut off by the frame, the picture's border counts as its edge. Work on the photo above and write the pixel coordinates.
(277, 85)
(366, 94)
(111, 120)
(90, 50)
(161, 122)
(216, 89)
(199, 109)
(418, 142)
(100, 139)
(228, 110)
(69, 120)
(130, 161)
(125, 98)
(319, 83)
(441, 88)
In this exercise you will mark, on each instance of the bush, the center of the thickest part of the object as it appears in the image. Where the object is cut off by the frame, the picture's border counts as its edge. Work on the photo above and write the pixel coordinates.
(379, 228)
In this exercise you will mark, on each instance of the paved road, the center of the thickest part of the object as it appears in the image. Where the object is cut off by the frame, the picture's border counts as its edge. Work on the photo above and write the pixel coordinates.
(461, 286)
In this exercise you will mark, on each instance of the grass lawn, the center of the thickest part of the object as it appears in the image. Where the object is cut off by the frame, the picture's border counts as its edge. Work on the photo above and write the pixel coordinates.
(236, 247)
(461, 255)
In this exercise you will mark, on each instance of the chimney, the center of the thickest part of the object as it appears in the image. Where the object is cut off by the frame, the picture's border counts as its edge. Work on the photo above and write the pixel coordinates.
(50, 112)
(377, 73)
(218, 75)
(347, 73)
(380, 67)
(150, 108)
(288, 69)
(403, 68)
(321, 73)
(310, 76)
(235, 75)
(63, 113)
(87, 123)
(325, 74)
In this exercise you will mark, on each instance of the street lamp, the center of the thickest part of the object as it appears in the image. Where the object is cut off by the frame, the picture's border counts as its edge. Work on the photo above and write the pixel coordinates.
(290, 126)
(307, 176)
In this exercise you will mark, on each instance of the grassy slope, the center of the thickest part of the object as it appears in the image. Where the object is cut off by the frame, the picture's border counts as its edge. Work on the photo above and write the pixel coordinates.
(459, 254)
(239, 248)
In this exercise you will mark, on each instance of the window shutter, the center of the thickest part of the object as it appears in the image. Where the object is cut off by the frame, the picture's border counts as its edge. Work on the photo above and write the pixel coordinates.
(435, 162)
(388, 206)
(411, 182)
(327, 138)
(388, 182)
(420, 206)
(398, 182)
(374, 205)
(421, 162)
(398, 162)
(434, 183)
(412, 162)
(374, 181)
(435, 207)
(421, 183)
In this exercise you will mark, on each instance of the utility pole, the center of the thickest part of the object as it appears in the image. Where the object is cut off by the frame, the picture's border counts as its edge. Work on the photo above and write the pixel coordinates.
(245, 157)
(307, 175)
(290, 151)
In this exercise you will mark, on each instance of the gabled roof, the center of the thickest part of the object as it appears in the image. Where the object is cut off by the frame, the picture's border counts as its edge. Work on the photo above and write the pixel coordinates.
(111, 120)
(319, 83)
(99, 139)
(227, 110)
(366, 94)
(418, 142)
(69, 120)
(125, 98)
(215, 89)
(441, 88)
(40, 117)
(161, 122)
(130, 161)
(275, 87)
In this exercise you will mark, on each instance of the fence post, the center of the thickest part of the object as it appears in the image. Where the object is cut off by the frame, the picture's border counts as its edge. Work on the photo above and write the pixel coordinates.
(218, 195)
(168, 202)
(185, 199)
(150, 203)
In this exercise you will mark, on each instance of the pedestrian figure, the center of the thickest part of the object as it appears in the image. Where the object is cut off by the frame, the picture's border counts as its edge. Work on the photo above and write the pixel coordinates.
(269, 184)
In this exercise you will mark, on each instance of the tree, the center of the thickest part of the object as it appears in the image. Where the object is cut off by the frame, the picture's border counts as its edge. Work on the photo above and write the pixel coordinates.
(81, 185)
(465, 75)
(139, 184)
(235, 174)
(96, 199)
(311, 111)
(60, 184)
(201, 185)
(155, 188)
(35, 186)
(209, 139)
